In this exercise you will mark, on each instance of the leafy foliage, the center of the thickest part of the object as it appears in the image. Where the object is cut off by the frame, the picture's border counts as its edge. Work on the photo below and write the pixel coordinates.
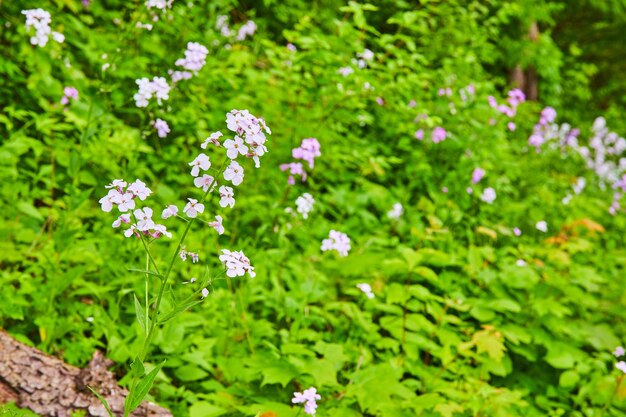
(457, 327)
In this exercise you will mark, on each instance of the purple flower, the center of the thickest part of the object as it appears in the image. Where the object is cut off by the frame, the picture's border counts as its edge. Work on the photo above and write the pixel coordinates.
(69, 93)
(439, 134)
(419, 134)
(477, 175)
(309, 150)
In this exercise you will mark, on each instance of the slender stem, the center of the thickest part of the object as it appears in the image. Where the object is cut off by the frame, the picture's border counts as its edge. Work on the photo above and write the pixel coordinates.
(165, 277)
(146, 288)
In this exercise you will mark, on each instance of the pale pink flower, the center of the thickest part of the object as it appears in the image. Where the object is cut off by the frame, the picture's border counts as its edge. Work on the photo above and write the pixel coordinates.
(144, 219)
(124, 218)
(200, 162)
(439, 134)
(235, 147)
(367, 289)
(477, 175)
(161, 127)
(236, 264)
(213, 138)
(193, 208)
(169, 211)
(205, 182)
(337, 241)
(139, 189)
(227, 197)
(217, 225)
(234, 173)
(309, 397)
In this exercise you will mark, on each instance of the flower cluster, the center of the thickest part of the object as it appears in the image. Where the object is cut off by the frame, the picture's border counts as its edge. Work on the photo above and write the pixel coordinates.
(547, 131)
(337, 241)
(362, 58)
(489, 195)
(161, 127)
(184, 253)
(304, 204)
(236, 263)
(40, 20)
(248, 129)
(308, 150)
(396, 211)
(439, 134)
(124, 198)
(515, 97)
(247, 29)
(158, 88)
(195, 57)
(309, 397)
(159, 4)
(69, 93)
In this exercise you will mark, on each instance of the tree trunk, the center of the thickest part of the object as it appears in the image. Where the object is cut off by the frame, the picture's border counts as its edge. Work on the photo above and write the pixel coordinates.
(49, 387)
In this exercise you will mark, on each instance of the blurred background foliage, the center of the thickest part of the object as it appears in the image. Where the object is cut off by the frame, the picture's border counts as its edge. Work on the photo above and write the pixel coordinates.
(456, 327)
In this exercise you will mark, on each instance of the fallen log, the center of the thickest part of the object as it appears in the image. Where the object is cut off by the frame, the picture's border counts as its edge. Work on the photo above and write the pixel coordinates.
(49, 387)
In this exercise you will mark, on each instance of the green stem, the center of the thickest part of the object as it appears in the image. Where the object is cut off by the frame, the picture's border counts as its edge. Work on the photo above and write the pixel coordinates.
(146, 288)
(165, 278)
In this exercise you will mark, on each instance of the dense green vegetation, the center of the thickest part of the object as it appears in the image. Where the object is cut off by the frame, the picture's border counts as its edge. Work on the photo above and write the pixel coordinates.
(475, 310)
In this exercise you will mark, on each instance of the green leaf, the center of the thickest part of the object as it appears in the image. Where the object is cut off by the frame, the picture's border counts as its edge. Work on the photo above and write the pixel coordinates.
(102, 400)
(141, 389)
(144, 321)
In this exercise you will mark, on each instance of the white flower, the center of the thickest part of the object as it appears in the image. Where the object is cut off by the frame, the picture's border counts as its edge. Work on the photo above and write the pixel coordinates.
(195, 57)
(247, 29)
(489, 195)
(542, 226)
(336, 241)
(169, 211)
(193, 208)
(125, 202)
(234, 147)
(367, 289)
(124, 218)
(305, 204)
(40, 20)
(345, 71)
(108, 200)
(158, 88)
(132, 230)
(234, 173)
(226, 197)
(144, 219)
(119, 184)
(619, 351)
(162, 128)
(236, 264)
(520, 262)
(205, 293)
(58, 37)
(217, 225)
(309, 398)
(621, 365)
(396, 211)
(205, 182)
(201, 162)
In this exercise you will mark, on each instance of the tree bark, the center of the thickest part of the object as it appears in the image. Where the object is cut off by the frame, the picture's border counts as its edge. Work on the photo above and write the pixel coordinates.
(49, 387)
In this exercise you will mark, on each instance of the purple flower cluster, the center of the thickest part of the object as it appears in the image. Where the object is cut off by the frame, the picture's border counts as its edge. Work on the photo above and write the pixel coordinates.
(308, 150)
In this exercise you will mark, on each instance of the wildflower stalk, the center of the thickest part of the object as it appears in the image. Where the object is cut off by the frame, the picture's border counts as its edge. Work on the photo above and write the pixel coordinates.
(165, 278)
